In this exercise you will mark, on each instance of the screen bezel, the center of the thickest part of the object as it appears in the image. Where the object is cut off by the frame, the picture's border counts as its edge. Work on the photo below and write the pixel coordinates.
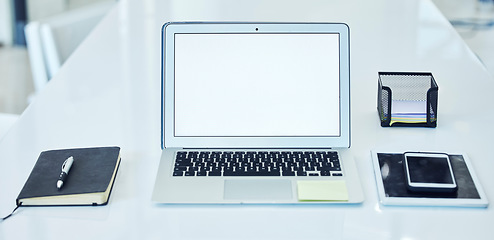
(168, 138)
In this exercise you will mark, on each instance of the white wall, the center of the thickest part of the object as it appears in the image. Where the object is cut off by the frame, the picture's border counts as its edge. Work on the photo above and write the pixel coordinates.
(6, 22)
(39, 9)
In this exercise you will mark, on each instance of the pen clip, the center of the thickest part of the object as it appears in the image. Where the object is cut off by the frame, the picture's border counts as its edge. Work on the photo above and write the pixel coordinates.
(64, 162)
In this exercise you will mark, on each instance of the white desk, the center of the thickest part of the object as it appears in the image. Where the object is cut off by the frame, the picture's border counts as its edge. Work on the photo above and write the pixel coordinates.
(108, 93)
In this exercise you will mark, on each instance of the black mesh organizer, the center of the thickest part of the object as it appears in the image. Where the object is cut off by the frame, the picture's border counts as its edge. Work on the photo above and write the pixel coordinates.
(407, 99)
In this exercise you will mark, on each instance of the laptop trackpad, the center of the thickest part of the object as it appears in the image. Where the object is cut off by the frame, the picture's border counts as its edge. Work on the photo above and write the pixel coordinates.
(258, 189)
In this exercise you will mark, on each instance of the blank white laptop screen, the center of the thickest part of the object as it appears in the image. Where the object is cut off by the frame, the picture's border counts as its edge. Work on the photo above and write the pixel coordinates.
(257, 85)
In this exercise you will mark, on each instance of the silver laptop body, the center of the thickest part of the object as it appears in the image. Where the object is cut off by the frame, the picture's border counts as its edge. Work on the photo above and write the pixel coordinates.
(268, 89)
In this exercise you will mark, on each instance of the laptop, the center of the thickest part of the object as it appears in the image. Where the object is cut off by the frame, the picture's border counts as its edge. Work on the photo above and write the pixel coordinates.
(256, 113)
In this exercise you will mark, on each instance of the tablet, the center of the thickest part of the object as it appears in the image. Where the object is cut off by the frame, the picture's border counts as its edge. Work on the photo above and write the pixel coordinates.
(393, 189)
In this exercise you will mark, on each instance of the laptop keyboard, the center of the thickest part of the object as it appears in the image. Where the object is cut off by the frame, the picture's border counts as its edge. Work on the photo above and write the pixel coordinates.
(257, 163)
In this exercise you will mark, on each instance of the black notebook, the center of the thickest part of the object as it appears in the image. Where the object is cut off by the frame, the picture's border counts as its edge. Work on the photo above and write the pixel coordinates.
(89, 180)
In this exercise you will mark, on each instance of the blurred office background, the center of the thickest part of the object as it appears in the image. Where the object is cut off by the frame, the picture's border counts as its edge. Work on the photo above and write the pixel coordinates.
(37, 36)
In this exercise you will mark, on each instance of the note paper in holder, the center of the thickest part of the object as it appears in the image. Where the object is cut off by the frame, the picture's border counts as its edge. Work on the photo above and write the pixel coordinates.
(407, 99)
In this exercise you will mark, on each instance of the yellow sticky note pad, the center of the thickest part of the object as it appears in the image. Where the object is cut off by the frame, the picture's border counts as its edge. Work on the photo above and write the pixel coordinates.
(322, 191)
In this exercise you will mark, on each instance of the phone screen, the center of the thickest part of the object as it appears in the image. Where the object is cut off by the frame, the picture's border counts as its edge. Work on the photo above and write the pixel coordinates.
(429, 170)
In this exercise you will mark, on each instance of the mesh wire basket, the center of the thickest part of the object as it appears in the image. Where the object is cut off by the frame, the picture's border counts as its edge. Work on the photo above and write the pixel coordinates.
(407, 99)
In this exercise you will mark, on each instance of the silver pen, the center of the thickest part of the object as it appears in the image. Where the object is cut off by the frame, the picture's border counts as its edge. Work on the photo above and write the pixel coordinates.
(65, 171)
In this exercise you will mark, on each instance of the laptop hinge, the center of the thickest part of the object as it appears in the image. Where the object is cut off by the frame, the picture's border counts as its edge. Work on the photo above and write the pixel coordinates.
(259, 148)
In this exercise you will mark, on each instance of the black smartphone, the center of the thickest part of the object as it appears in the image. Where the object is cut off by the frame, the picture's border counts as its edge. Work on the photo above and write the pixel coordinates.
(429, 172)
